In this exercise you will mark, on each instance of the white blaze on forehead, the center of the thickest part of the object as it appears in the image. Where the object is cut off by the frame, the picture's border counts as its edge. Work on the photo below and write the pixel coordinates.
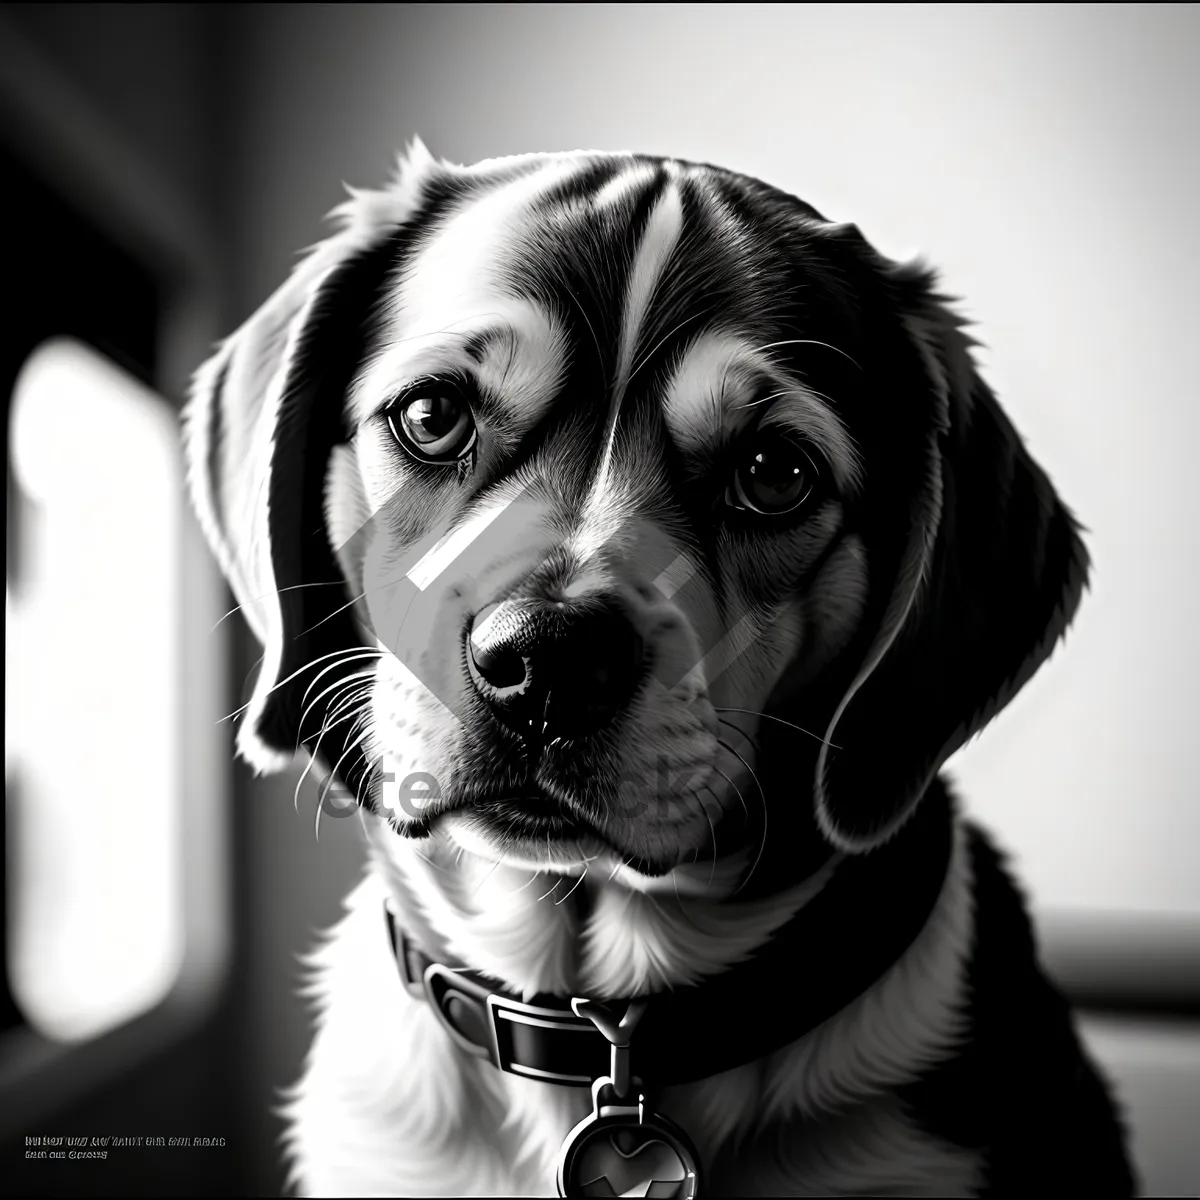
(455, 287)
(611, 505)
(653, 253)
(657, 245)
(725, 382)
(609, 499)
(623, 184)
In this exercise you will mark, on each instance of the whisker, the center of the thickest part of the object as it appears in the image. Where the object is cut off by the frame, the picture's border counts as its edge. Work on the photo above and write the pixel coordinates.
(722, 773)
(312, 753)
(357, 686)
(356, 694)
(762, 797)
(356, 715)
(492, 870)
(768, 717)
(741, 733)
(333, 776)
(308, 666)
(650, 353)
(292, 587)
(762, 844)
(683, 912)
(357, 682)
(347, 656)
(308, 766)
(329, 725)
(711, 829)
(372, 761)
(576, 884)
(748, 767)
(588, 323)
(371, 591)
(329, 616)
(532, 876)
(425, 858)
(808, 342)
(763, 399)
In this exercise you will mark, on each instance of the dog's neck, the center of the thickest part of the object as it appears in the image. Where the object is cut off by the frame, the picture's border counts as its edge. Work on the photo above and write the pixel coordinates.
(538, 932)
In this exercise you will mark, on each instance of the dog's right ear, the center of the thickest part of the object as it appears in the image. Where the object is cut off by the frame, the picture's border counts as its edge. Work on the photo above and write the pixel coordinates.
(265, 414)
(984, 564)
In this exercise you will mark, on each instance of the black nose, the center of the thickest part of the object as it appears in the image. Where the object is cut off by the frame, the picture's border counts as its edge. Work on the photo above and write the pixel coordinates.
(554, 669)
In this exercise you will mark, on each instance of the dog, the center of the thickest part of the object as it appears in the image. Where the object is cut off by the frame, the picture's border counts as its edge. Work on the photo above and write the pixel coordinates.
(630, 545)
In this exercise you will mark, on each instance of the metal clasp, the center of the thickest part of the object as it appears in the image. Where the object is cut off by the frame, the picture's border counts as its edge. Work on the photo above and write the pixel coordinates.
(619, 1032)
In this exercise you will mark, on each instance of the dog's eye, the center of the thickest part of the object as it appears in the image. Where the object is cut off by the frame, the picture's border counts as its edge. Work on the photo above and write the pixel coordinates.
(774, 475)
(433, 422)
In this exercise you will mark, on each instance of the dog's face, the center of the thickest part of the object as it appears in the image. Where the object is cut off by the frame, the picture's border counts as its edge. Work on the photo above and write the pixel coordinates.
(592, 379)
(606, 507)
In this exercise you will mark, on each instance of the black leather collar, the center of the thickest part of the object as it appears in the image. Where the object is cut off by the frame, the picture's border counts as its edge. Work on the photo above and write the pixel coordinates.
(829, 953)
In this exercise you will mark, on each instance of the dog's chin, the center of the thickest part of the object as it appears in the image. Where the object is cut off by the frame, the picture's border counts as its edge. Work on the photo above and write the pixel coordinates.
(569, 849)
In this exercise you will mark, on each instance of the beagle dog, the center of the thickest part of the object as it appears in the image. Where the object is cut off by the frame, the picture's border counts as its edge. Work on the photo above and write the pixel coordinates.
(630, 546)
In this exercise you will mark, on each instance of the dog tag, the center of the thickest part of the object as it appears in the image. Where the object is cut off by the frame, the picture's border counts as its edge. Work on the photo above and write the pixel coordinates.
(620, 1149)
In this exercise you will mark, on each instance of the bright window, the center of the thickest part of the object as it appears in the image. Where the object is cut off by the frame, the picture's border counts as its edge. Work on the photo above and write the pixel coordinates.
(96, 916)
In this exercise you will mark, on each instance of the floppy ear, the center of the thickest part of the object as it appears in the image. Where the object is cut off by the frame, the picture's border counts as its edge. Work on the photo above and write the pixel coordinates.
(989, 575)
(265, 414)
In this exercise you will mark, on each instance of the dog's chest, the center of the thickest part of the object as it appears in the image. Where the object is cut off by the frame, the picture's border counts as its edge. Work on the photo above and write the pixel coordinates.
(388, 1106)
(416, 1120)
(872, 1147)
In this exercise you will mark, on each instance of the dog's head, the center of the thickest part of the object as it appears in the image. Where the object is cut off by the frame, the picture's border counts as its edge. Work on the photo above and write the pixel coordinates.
(581, 501)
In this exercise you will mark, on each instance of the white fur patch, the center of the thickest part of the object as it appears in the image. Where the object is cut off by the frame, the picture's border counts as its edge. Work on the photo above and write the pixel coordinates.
(657, 245)
(718, 387)
(387, 1106)
(522, 366)
(454, 288)
(623, 184)
(637, 943)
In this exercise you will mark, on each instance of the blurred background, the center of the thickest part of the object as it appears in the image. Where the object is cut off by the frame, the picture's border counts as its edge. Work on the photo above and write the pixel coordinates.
(162, 166)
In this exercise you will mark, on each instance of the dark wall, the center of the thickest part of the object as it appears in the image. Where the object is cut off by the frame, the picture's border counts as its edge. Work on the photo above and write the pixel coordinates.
(172, 85)
(140, 85)
(149, 70)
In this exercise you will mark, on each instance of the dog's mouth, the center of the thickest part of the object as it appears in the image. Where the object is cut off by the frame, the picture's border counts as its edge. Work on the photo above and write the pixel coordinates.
(536, 814)
(532, 824)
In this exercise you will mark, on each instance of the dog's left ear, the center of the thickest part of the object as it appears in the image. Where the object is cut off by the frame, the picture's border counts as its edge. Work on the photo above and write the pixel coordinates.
(266, 413)
(990, 573)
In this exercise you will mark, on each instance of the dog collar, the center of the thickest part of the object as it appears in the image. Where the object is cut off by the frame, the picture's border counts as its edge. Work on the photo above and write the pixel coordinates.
(833, 949)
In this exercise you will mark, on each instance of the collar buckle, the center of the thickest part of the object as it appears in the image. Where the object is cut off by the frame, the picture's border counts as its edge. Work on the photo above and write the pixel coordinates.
(532, 1040)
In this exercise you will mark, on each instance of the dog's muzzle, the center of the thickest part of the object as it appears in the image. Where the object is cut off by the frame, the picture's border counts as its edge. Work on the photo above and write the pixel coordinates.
(554, 670)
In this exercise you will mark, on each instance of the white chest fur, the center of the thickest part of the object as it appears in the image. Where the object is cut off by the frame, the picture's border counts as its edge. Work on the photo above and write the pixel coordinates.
(387, 1106)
